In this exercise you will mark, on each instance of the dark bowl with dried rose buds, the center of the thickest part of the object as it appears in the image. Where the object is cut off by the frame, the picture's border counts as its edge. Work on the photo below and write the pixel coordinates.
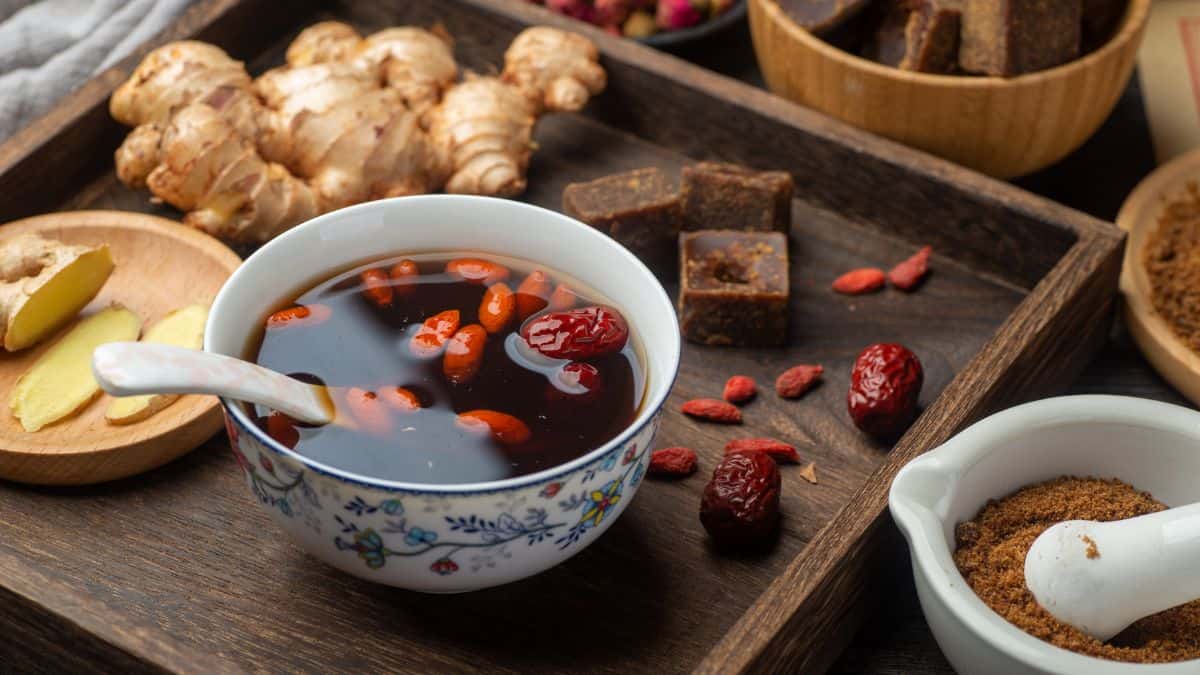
(498, 368)
(662, 24)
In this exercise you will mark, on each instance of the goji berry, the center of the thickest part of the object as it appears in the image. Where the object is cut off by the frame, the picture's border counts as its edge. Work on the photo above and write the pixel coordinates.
(505, 428)
(739, 389)
(377, 287)
(672, 462)
(562, 298)
(884, 387)
(497, 308)
(368, 411)
(908, 274)
(780, 451)
(740, 506)
(477, 271)
(399, 398)
(798, 380)
(581, 333)
(712, 410)
(533, 295)
(431, 337)
(300, 315)
(860, 281)
(282, 429)
(464, 354)
(404, 276)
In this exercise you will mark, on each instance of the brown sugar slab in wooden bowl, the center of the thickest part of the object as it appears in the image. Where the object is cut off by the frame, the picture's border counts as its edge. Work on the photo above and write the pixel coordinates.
(1004, 127)
(160, 266)
(1139, 216)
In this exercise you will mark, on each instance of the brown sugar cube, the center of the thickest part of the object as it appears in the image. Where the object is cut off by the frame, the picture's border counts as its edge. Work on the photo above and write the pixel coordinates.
(640, 209)
(1011, 37)
(719, 196)
(921, 36)
(822, 16)
(1100, 20)
(733, 287)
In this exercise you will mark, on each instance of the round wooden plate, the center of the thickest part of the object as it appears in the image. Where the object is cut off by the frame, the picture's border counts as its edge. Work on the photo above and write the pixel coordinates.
(160, 266)
(1177, 363)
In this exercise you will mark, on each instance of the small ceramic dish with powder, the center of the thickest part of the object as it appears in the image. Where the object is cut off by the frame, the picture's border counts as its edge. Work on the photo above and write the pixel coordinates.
(1160, 276)
(1154, 447)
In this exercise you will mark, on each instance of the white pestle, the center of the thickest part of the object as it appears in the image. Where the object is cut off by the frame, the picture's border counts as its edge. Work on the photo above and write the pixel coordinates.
(132, 368)
(1102, 577)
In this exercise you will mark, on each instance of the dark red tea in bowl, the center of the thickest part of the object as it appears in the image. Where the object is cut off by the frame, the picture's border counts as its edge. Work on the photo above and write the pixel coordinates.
(454, 369)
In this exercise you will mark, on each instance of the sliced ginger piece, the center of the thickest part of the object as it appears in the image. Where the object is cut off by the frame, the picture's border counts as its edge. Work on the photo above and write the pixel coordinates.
(60, 382)
(182, 328)
(44, 283)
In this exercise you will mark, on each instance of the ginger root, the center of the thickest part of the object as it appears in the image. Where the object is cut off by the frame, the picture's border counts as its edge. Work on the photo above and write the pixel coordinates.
(60, 382)
(183, 328)
(418, 64)
(349, 119)
(44, 283)
(554, 69)
(223, 183)
(351, 141)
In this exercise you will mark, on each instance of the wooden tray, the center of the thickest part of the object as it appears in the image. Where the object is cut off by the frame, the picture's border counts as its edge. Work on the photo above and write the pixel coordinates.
(180, 569)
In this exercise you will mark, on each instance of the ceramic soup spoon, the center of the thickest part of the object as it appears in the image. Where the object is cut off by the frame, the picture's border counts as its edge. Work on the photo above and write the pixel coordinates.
(1102, 577)
(132, 368)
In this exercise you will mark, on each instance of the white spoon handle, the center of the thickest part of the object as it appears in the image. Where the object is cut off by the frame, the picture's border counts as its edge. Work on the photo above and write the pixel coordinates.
(1101, 577)
(132, 368)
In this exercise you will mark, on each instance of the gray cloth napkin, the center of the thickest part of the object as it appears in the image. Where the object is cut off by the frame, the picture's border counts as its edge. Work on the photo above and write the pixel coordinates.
(49, 48)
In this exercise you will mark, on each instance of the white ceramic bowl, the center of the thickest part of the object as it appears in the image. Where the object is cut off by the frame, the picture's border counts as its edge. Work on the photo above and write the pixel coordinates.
(1153, 446)
(446, 538)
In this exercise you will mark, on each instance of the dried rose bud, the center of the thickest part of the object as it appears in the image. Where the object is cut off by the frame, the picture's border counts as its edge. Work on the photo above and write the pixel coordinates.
(576, 9)
(676, 14)
(611, 12)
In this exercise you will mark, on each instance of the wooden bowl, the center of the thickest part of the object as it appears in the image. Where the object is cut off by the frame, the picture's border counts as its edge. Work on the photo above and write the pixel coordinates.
(1005, 127)
(161, 266)
(1177, 363)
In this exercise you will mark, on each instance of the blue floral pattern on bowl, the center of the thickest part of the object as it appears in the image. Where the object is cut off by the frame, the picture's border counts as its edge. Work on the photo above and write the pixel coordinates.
(442, 541)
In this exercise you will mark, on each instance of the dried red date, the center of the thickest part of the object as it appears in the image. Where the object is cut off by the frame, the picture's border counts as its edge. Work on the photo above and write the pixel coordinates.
(581, 333)
(577, 381)
(884, 387)
(740, 506)
(672, 462)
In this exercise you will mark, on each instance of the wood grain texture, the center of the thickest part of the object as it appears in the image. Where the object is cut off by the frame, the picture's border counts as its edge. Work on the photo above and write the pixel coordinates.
(185, 550)
(1169, 355)
(1004, 127)
(161, 266)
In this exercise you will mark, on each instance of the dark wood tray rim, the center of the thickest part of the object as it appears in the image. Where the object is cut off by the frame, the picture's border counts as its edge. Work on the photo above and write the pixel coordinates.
(781, 627)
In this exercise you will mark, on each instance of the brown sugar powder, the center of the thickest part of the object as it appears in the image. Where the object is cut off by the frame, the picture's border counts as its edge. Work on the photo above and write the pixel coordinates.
(991, 550)
(1172, 261)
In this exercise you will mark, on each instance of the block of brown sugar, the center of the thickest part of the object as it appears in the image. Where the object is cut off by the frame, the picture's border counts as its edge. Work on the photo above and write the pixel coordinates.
(720, 196)
(822, 16)
(917, 35)
(1100, 21)
(1012, 37)
(733, 287)
(640, 209)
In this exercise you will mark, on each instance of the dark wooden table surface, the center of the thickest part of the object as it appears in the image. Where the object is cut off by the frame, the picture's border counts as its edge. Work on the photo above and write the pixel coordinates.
(1095, 180)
